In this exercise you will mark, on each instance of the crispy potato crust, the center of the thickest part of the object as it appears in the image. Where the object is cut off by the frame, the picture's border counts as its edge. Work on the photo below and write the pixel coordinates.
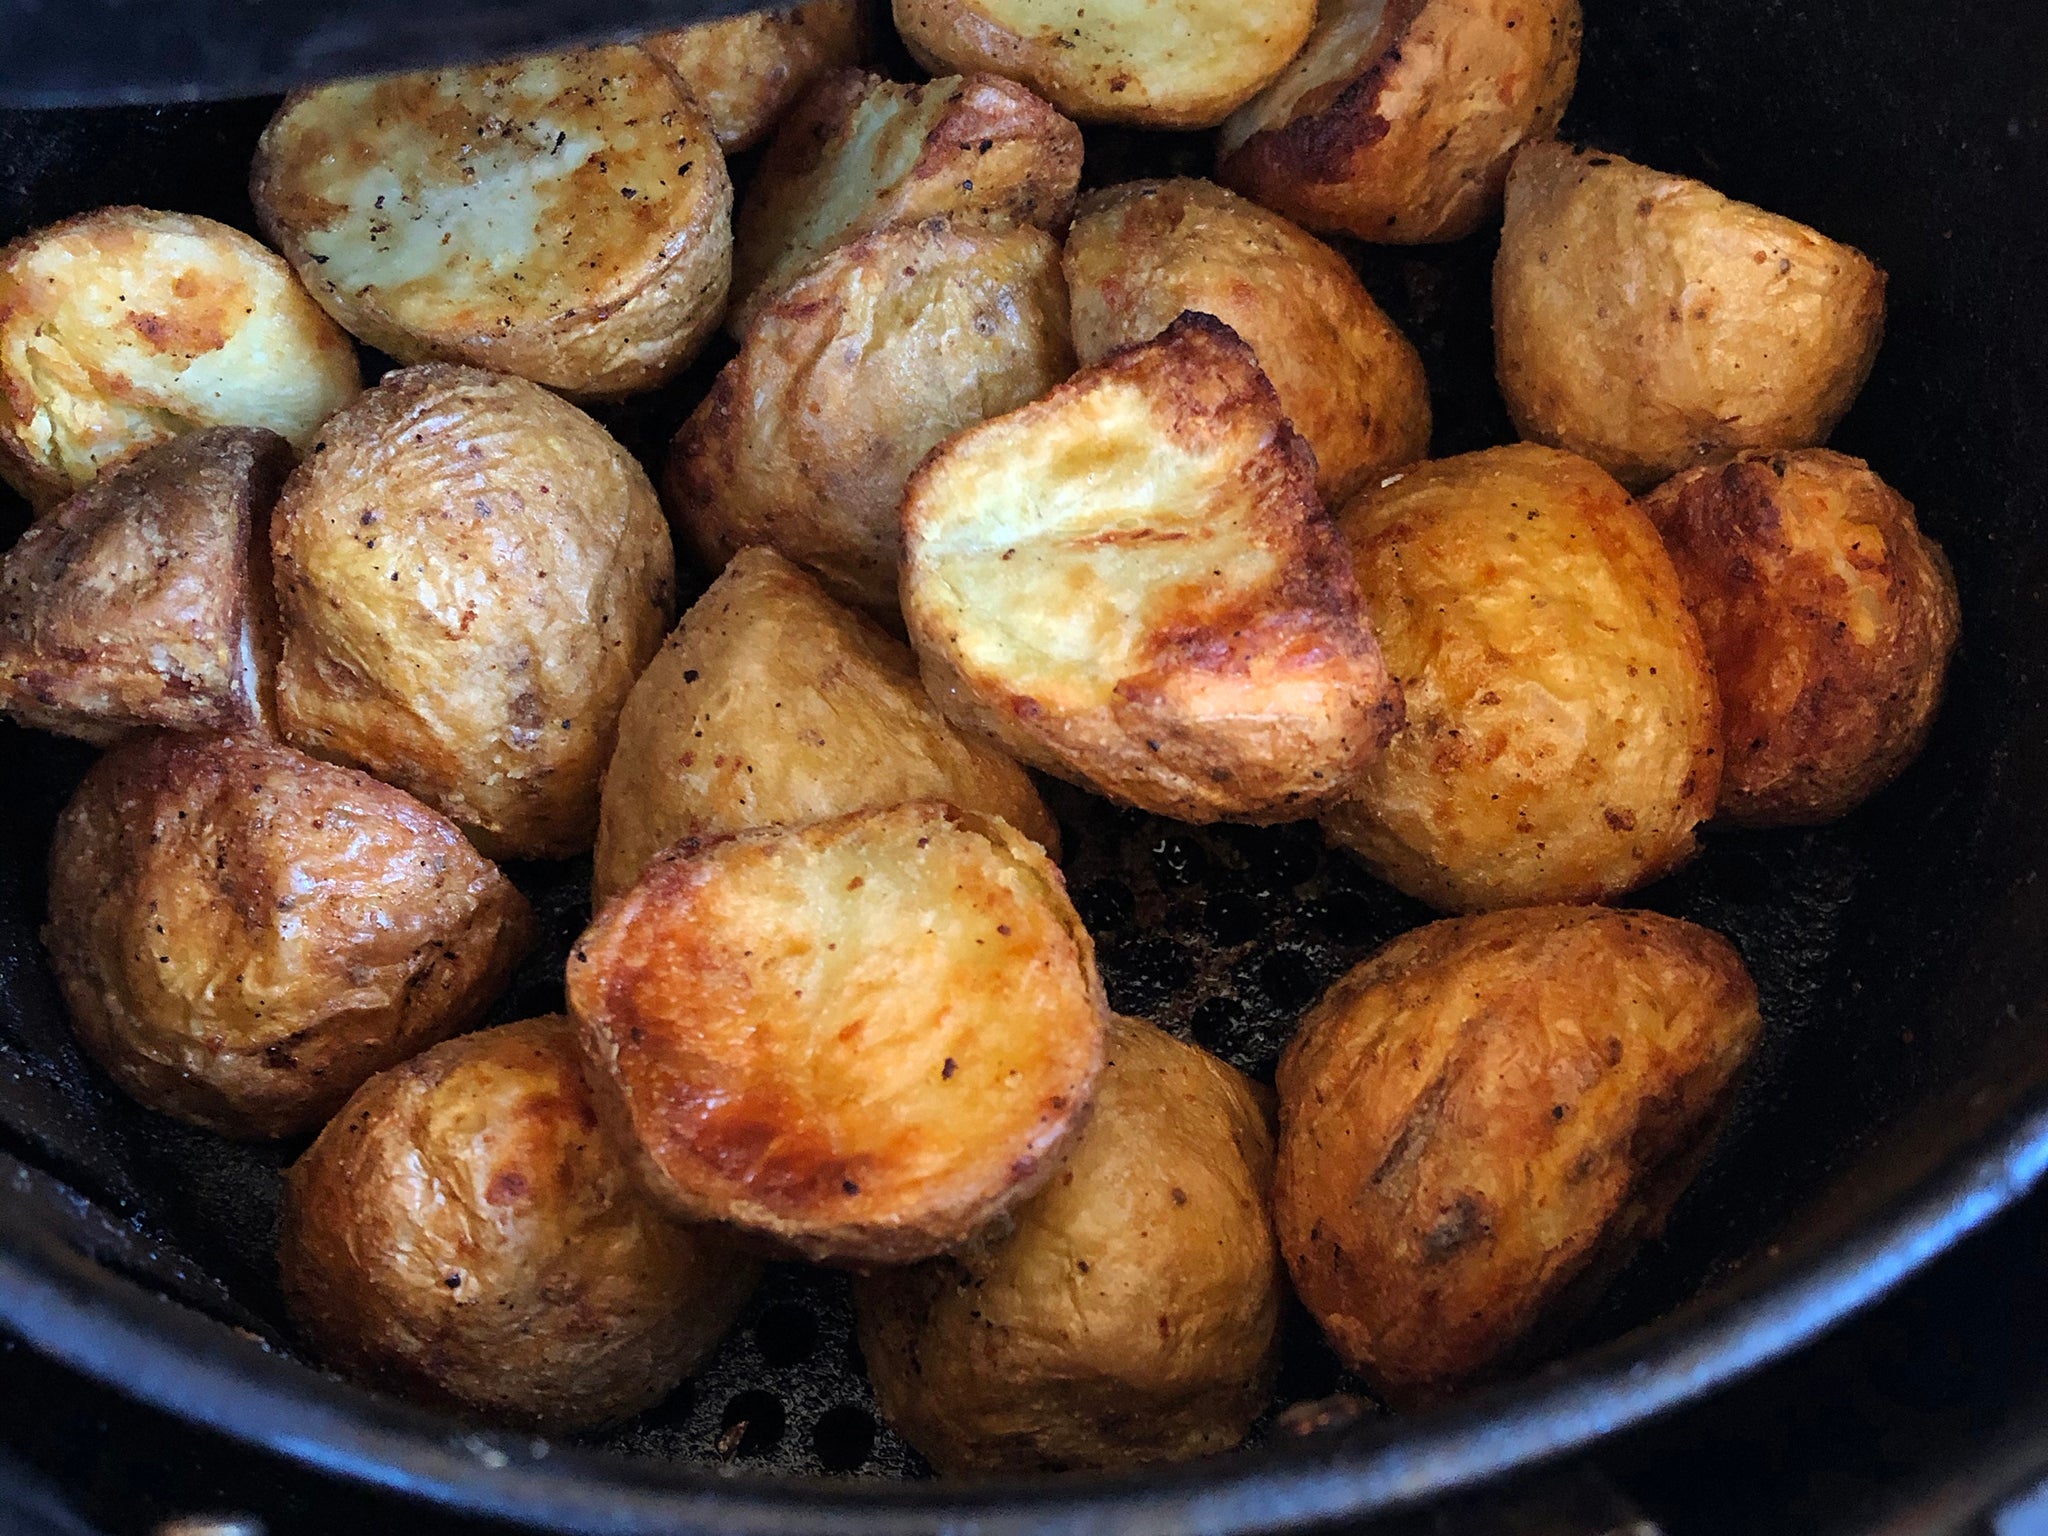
(145, 599)
(1141, 253)
(1830, 619)
(243, 935)
(863, 1039)
(1397, 121)
(771, 705)
(1479, 1122)
(862, 153)
(123, 328)
(1129, 1314)
(746, 71)
(1649, 323)
(463, 1233)
(564, 218)
(470, 575)
(1563, 731)
(1130, 583)
(884, 349)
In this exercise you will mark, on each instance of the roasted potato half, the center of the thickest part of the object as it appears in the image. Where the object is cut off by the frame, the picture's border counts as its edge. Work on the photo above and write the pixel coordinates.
(243, 935)
(145, 598)
(862, 1039)
(862, 153)
(772, 705)
(1129, 1311)
(1650, 323)
(123, 328)
(470, 575)
(1130, 583)
(1141, 253)
(746, 71)
(564, 218)
(464, 1233)
(1563, 733)
(1830, 618)
(1479, 1122)
(1397, 121)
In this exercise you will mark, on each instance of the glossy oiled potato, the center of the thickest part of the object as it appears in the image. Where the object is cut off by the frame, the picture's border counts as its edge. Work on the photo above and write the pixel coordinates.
(864, 1038)
(470, 574)
(564, 218)
(746, 71)
(1830, 619)
(123, 328)
(772, 705)
(1129, 1311)
(1649, 323)
(1130, 583)
(1479, 1122)
(465, 1234)
(1397, 121)
(243, 934)
(884, 349)
(1141, 253)
(1563, 733)
(137, 601)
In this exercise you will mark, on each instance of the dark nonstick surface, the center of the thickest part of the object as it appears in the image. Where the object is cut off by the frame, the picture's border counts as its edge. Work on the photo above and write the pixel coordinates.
(1901, 1090)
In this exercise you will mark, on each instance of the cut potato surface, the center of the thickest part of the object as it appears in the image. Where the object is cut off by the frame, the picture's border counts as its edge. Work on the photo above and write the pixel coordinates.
(746, 71)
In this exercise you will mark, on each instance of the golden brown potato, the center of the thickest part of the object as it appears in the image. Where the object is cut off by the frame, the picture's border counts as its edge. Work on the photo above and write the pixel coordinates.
(1141, 253)
(1185, 64)
(564, 218)
(746, 71)
(242, 935)
(1479, 1122)
(1397, 121)
(464, 1233)
(1131, 584)
(1649, 323)
(470, 574)
(1563, 732)
(1830, 619)
(862, 153)
(863, 1038)
(123, 328)
(1128, 1314)
(145, 598)
(771, 705)
(879, 353)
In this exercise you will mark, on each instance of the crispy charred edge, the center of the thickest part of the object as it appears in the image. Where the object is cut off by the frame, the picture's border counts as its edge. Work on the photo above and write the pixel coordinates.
(987, 106)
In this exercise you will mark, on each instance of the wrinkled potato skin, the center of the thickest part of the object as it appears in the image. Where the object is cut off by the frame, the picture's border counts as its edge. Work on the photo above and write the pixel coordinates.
(470, 575)
(884, 349)
(1351, 383)
(1830, 619)
(1650, 323)
(772, 705)
(746, 71)
(1563, 730)
(144, 600)
(1129, 1312)
(464, 1234)
(242, 935)
(1479, 1122)
(1397, 121)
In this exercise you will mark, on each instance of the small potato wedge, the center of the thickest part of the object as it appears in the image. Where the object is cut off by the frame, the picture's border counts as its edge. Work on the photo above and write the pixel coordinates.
(746, 71)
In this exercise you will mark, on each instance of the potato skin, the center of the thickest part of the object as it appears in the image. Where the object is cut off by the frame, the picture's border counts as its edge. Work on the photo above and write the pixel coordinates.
(884, 349)
(1563, 730)
(745, 71)
(463, 1233)
(1141, 253)
(1830, 619)
(144, 599)
(1129, 1311)
(1650, 323)
(122, 328)
(1478, 1123)
(1397, 121)
(772, 705)
(470, 574)
(242, 935)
